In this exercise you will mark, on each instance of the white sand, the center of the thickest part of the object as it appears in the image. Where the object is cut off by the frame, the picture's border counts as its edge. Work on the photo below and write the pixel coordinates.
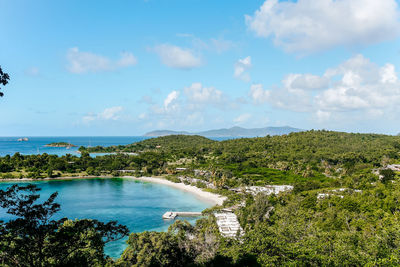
(207, 196)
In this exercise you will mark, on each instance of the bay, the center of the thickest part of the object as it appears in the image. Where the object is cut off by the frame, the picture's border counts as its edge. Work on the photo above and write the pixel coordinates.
(138, 205)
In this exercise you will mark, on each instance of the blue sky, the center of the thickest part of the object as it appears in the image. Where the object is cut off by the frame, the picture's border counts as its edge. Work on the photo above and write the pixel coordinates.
(128, 67)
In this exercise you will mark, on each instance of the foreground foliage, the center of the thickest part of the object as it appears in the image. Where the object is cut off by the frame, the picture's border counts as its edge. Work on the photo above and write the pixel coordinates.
(32, 238)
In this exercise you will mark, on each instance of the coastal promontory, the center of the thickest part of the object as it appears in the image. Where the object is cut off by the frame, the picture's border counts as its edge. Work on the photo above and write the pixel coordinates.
(60, 144)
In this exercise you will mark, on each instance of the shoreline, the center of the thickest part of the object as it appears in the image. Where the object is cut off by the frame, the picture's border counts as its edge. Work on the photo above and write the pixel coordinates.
(208, 196)
(214, 198)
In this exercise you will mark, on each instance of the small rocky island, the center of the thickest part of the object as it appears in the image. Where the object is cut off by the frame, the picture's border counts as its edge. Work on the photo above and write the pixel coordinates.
(60, 144)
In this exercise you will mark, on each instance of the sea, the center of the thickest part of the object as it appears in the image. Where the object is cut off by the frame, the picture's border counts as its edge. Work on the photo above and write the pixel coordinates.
(36, 144)
(138, 205)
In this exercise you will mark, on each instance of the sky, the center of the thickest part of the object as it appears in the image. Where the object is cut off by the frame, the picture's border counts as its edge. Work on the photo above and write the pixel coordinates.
(128, 67)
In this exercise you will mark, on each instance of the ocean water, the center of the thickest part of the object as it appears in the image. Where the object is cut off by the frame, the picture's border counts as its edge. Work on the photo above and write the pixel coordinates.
(138, 205)
(36, 145)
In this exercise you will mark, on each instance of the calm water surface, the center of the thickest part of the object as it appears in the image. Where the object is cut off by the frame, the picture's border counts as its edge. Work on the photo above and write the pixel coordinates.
(36, 145)
(138, 205)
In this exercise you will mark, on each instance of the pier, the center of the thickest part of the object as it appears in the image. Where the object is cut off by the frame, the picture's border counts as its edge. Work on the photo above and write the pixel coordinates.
(170, 215)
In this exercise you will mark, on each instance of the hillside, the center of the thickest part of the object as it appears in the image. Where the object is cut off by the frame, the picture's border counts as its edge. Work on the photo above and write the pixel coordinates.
(158, 133)
(341, 209)
(231, 132)
(313, 155)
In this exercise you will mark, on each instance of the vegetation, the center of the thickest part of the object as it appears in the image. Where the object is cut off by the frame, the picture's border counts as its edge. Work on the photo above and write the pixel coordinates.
(4, 78)
(343, 210)
(60, 144)
(32, 238)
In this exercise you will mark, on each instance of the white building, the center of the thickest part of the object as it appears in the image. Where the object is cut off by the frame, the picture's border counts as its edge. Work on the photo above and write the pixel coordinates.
(228, 224)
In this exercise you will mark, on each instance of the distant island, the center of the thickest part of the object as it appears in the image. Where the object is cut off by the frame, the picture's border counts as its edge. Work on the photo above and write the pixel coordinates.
(231, 132)
(60, 144)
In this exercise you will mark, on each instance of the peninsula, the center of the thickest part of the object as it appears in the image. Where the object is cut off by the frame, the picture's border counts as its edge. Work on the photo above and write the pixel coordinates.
(60, 144)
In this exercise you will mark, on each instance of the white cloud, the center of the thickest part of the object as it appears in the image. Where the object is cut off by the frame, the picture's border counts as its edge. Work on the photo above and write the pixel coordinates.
(308, 26)
(112, 113)
(355, 86)
(305, 82)
(199, 95)
(242, 118)
(258, 94)
(168, 102)
(190, 106)
(84, 62)
(241, 66)
(388, 74)
(127, 59)
(323, 116)
(177, 57)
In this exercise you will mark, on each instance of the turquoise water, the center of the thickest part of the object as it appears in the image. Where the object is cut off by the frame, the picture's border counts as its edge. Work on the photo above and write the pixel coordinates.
(36, 145)
(138, 205)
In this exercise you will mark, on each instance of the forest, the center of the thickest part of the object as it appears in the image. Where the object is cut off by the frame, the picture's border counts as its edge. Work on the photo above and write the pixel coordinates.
(355, 222)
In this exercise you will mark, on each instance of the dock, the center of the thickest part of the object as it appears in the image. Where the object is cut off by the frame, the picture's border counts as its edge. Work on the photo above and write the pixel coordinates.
(170, 215)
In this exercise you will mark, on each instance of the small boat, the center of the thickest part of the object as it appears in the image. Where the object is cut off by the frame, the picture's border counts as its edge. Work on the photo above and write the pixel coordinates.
(23, 139)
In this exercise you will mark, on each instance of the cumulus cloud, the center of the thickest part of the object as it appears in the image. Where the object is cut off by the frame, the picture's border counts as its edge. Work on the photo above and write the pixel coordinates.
(168, 102)
(308, 26)
(112, 113)
(127, 59)
(258, 94)
(84, 62)
(356, 85)
(177, 57)
(241, 66)
(190, 106)
(306, 82)
(199, 95)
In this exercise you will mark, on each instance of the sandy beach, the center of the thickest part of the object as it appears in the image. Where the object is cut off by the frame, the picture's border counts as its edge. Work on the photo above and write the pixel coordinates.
(207, 196)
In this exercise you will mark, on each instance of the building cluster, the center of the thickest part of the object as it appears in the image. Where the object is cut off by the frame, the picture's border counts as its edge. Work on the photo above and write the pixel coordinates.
(336, 192)
(228, 224)
(394, 167)
(267, 189)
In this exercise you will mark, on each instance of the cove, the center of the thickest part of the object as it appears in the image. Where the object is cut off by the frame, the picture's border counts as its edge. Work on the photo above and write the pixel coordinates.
(138, 205)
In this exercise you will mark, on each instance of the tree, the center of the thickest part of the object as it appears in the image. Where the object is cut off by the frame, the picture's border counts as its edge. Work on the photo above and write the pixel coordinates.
(34, 239)
(4, 77)
(387, 175)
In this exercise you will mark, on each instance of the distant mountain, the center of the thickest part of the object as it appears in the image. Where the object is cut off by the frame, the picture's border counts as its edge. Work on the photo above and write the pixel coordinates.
(232, 132)
(165, 133)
